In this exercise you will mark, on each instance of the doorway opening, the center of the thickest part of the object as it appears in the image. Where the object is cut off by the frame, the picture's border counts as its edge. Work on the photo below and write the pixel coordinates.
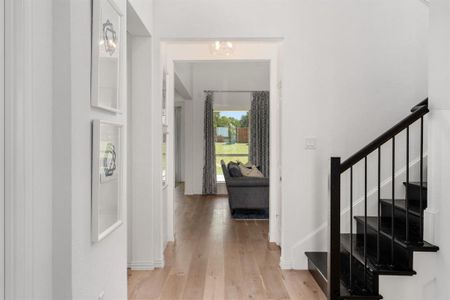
(187, 64)
(143, 180)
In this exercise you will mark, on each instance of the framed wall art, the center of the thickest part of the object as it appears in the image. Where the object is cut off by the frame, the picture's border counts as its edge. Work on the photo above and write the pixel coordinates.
(106, 178)
(106, 55)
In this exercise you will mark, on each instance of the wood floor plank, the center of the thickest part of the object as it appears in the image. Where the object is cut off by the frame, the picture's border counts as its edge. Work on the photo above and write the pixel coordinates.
(174, 286)
(216, 257)
(273, 282)
(300, 285)
(215, 273)
(254, 286)
(234, 288)
(150, 286)
(196, 276)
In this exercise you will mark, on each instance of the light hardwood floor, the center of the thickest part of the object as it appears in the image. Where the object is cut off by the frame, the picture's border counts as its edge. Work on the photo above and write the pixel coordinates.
(215, 257)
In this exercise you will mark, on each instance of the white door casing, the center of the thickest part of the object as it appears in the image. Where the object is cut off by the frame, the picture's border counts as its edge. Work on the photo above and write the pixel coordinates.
(2, 149)
(179, 51)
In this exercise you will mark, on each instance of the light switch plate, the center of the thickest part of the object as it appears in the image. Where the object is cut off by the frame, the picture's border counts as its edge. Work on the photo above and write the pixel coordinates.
(310, 143)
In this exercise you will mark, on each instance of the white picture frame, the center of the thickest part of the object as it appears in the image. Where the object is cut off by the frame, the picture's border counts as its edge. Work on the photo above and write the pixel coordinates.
(107, 178)
(106, 71)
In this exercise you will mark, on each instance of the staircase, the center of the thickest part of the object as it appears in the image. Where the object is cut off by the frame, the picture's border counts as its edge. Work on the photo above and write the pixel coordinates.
(382, 244)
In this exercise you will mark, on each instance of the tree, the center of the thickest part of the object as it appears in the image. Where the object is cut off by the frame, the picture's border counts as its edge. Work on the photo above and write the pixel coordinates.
(244, 120)
(223, 121)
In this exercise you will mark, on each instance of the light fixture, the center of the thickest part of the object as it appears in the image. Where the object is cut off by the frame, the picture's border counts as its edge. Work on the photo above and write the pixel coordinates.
(222, 48)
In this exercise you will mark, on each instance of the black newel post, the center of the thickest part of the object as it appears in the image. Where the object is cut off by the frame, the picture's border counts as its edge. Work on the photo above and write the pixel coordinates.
(335, 230)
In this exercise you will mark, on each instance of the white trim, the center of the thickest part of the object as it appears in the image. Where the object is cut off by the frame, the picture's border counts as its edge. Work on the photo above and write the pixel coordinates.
(146, 265)
(2, 149)
(431, 222)
(141, 266)
(19, 151)
(145, 214)
(255, 51)
(159, 263)
(285, 264)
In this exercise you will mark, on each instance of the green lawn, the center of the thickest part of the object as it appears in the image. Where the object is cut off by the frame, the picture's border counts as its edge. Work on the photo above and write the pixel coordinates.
(224, 148)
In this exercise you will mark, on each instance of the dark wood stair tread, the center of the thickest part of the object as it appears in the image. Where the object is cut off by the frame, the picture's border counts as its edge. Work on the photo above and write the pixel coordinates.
(319, 260)
(415, 183)
(358, 254)
(345, 294)
(400, 204)
(400, 234)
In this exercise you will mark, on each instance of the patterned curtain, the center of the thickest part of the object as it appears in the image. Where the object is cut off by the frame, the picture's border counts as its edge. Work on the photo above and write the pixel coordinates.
(259, 131)
(209, 169)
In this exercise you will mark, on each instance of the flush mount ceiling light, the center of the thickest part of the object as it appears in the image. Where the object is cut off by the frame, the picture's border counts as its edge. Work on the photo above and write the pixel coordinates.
(222, 48)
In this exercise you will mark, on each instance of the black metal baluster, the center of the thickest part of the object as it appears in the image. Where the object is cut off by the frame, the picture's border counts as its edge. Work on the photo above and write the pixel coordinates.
(393, 202)
(351, 227)
(379, 206)
(421, 182)
(365, 222)
(407, 185)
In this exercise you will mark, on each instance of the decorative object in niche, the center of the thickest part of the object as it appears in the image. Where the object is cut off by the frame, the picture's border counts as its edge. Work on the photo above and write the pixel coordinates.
(106, 178)
(106, 72)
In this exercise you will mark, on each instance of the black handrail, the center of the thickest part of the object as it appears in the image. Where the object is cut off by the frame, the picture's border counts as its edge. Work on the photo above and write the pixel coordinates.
(418, 111)
(423, 103)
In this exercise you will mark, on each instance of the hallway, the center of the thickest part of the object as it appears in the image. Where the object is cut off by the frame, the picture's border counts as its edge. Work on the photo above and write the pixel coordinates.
(215, 257)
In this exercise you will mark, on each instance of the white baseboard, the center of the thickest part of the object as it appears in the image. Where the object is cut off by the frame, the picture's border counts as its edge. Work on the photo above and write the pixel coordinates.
(142, 266)
(147, 265)
(159, 263)
(285, 264)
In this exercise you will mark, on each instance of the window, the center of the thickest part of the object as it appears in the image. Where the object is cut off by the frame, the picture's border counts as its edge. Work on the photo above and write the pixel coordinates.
(232, 138)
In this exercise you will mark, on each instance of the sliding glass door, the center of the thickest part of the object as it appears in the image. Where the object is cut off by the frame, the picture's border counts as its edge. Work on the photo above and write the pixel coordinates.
(231, 137)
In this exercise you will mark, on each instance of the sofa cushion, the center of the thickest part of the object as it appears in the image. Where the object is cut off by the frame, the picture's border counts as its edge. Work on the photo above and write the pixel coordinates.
(247, 165)
(251, 172)
(234, 170)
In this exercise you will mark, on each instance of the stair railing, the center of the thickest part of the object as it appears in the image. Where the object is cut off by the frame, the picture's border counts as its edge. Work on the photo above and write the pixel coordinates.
(337, 169)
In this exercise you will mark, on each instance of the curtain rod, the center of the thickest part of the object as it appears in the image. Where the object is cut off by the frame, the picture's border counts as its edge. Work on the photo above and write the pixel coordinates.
(230, 91)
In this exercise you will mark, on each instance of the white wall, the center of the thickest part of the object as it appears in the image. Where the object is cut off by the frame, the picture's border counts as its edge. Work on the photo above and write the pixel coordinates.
(433, 268)
(439, 161)
(144, 9)
(342, 83)
(62, 151)
(100, 267)
(142, 213)
(87, 269)
(28, 151)
(184, 73)
(245, 76)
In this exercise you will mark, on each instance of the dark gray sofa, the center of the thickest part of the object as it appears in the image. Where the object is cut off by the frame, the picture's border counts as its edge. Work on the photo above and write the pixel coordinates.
(246, 192)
